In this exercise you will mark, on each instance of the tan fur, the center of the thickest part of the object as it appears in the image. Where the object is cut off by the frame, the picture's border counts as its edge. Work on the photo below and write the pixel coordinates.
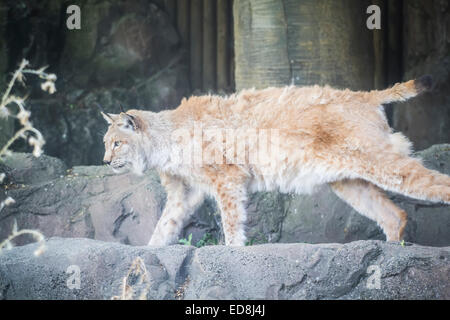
(317, 135)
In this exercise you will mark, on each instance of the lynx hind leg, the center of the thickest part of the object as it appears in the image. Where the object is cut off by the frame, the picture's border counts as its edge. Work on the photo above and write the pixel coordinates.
(233, 215)
(371, 202)
(182, 202)
(230, 193)
(405, 175)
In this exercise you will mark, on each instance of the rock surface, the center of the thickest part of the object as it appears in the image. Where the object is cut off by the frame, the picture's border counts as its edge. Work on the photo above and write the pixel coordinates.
(270, 271)
(89, 202)
(24, 168)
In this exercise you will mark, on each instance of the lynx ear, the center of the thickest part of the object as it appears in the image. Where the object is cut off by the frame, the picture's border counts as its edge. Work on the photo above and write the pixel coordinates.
(108, 117)
(129, 121)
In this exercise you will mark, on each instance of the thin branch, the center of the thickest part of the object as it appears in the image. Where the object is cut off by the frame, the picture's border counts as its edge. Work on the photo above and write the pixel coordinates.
(17, 74)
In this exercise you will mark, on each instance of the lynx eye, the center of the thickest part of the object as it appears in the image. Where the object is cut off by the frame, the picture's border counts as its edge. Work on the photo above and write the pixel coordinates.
(116, 144)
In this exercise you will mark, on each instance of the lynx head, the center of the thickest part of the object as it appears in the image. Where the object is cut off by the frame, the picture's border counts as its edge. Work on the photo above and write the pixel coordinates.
(123, 147)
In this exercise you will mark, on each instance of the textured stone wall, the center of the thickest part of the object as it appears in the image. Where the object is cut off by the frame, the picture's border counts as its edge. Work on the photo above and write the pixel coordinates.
(281, 271)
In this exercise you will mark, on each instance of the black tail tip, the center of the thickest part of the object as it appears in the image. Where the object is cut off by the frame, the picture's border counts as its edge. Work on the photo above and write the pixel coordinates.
(424, 83)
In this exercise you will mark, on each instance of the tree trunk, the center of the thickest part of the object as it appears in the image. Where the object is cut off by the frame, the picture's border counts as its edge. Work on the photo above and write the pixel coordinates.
(282, 42)
(183, 21)
(171, 9)
(379, 48)
(209, 45)
(196, 47)
(223, 37)
(394, 41)
(260, 44)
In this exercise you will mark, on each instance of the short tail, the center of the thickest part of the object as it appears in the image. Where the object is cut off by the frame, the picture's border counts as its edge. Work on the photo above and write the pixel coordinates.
(405, 90)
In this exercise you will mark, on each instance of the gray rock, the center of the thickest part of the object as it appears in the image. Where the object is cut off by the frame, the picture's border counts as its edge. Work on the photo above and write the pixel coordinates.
(87, 202)
(24, 168)
(321, 271)
(130, 40)
(270, 271)
(102, 267)
(322, 218)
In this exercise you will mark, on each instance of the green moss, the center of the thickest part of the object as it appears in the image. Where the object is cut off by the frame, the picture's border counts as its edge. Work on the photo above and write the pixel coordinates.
(207, 240)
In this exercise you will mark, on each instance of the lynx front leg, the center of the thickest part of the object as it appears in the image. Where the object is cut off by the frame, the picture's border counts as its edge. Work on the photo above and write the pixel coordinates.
(371, 202)
(181, 203)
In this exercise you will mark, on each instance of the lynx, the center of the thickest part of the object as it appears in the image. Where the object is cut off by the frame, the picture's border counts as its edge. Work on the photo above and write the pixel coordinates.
(301, 138)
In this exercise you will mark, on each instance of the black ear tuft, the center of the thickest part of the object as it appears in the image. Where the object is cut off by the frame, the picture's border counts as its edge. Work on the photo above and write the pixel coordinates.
(424, 83)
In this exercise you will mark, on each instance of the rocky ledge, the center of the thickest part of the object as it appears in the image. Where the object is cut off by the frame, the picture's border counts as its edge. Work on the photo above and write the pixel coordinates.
(91, 269)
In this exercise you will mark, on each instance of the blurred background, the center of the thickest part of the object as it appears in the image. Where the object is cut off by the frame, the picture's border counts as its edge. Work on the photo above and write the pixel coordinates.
(150, 54)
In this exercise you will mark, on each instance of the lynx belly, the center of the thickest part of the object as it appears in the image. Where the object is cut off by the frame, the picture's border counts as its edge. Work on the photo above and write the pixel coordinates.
(301, 181)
